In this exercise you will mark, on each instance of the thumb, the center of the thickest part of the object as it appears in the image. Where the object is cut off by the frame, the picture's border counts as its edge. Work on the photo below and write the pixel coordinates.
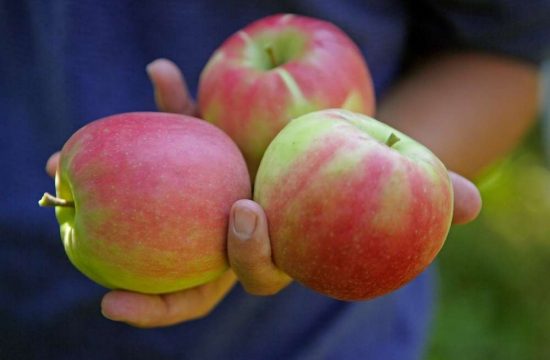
(249, 250)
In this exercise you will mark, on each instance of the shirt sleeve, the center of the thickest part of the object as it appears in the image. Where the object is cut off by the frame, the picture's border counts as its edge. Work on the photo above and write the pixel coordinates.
(515, 28)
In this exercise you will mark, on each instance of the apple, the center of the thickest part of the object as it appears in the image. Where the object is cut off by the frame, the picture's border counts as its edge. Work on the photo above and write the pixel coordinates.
(143, 200)
(276, 69)
(355, 208)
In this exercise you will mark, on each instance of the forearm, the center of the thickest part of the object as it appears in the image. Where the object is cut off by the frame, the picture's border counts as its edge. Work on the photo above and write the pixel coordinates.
(470, 109)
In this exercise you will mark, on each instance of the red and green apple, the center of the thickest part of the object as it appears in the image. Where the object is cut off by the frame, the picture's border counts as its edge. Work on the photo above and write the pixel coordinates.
(355, 208)
(143, 200)
(276, 69)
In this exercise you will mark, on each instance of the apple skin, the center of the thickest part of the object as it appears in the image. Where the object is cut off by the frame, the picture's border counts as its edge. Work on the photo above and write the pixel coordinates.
(317, 66)
(350, 216)
(152, 194)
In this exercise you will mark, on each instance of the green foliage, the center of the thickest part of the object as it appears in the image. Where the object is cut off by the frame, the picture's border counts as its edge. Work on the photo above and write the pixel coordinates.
(495, 273)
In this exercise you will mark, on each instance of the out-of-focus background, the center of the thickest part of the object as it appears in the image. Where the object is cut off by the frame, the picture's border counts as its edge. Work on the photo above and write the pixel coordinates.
(494, 283)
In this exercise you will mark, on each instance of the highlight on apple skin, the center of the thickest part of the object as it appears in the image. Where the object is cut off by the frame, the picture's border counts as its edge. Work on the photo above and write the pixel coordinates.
(143, 200)
(355, 208)
(276, 69)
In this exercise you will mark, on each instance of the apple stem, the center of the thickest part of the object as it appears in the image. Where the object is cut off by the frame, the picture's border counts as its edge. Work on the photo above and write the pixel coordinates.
(48, 200)
(271, 54)
(392, 139)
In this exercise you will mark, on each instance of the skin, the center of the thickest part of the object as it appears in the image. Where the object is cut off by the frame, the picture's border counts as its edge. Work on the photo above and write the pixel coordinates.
(249, 249)
(470, 109)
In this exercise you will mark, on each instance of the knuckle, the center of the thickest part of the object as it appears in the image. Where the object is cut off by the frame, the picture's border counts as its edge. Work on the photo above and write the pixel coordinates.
(242, 265)
(265, 291)
(266, 287)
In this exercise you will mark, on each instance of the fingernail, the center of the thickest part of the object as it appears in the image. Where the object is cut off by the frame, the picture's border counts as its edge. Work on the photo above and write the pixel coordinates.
(107, 316)
(106, 303)
(148, 68)
(244, 222)
(153, 63)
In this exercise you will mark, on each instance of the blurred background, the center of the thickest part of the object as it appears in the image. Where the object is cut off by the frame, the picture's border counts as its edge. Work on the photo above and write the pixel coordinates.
(494, 283)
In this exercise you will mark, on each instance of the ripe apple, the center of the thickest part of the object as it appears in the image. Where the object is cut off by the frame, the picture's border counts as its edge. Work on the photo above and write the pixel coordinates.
(143, 200)
(355, 208)
(276, 69)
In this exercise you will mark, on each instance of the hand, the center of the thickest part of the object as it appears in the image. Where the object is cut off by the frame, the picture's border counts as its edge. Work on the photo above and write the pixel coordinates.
(249, 248)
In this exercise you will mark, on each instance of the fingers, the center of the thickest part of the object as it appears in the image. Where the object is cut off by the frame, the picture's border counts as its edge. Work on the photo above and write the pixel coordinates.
(467, 200)
(147, 311)
(52, 164)
(249, 250)
(171, 93)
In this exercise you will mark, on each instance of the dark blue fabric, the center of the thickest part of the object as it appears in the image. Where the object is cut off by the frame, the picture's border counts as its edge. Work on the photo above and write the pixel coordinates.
(63, 64)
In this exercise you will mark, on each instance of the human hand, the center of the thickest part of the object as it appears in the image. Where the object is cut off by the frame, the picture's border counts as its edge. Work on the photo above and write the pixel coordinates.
(248, 244)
